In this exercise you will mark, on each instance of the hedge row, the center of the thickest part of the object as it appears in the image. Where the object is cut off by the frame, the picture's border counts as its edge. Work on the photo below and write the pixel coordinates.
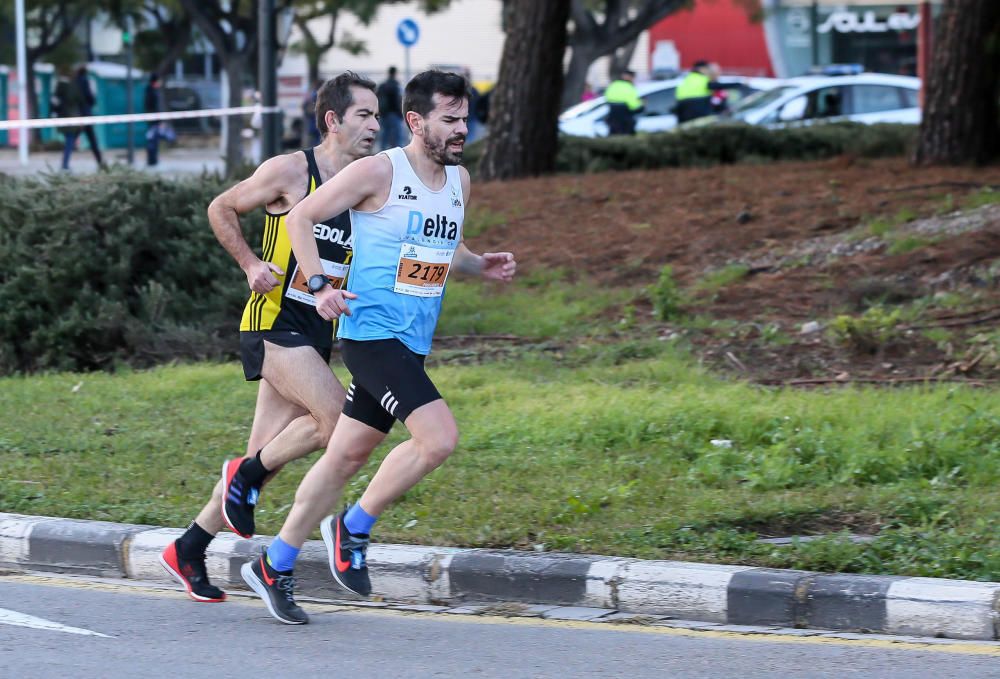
(117, 267)
(725, 144)
(122, 267)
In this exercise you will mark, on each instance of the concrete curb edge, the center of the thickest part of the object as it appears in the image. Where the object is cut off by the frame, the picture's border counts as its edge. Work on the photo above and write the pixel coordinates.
(740, 595)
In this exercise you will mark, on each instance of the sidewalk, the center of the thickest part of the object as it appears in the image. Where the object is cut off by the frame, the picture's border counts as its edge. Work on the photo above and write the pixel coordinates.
(733, 595)
(173, 161)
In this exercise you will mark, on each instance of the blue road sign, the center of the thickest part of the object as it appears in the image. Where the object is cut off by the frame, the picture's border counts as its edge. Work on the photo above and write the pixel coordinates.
(408, 32)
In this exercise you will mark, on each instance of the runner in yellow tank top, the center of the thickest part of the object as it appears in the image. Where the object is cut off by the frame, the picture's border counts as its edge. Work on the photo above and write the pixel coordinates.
(284, 343)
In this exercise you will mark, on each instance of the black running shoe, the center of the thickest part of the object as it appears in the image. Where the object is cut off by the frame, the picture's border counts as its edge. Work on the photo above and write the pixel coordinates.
(276, 589)
(238, 499)
(347, 553)
(192, 574)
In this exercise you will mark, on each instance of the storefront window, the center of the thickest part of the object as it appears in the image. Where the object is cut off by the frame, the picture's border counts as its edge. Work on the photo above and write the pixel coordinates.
(882, 38)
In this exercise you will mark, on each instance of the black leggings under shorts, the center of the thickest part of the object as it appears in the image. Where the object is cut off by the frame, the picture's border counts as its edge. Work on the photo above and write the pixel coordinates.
(388, 382)
(252, 348)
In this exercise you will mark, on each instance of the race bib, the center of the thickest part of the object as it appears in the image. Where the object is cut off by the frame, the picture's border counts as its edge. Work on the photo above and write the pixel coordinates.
(298, 289)
(422, 271)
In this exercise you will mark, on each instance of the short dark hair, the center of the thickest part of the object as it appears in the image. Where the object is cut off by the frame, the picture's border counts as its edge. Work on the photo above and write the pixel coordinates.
(419, 93)
(701, 63)
(392, 71)
(335, 95)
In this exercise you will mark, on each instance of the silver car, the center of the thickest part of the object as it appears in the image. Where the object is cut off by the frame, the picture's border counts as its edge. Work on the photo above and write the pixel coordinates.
(863, 98)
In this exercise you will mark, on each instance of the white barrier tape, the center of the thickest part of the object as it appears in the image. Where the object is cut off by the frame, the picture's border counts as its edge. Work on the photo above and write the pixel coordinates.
(131, 118)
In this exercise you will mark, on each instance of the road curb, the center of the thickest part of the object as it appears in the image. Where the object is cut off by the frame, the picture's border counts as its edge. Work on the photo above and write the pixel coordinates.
(734, 595)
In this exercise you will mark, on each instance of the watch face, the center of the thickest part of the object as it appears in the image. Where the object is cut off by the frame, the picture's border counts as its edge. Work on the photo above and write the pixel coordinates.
(316, 283)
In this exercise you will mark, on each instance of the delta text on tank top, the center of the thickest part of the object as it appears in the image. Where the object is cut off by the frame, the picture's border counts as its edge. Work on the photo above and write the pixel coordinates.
(402, 257)
(289, 307)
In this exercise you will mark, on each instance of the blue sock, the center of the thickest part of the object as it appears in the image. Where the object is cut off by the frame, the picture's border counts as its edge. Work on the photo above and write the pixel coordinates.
(358, 521)
(282, 555)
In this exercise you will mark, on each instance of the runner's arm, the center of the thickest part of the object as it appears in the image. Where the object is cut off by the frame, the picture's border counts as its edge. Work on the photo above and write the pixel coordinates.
(355, 186)
(498, 266)
(265, 186)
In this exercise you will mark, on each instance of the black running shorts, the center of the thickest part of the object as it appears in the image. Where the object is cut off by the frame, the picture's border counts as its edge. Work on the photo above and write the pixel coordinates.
(252, 348)
(388, 382)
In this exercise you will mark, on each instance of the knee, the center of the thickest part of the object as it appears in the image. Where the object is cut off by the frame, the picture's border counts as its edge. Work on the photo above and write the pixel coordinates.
(438, 448)
(344, 461)
(324, 423)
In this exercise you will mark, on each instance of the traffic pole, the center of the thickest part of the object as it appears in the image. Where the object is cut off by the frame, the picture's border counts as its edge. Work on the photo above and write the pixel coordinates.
(266, 78)
(22, 84)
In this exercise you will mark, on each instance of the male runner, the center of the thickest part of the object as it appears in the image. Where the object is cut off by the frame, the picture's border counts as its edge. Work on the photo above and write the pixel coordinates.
(283, 342)
(407, 206)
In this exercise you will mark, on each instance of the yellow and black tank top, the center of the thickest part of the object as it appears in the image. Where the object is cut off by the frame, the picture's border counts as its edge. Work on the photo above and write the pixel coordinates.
(289, 307)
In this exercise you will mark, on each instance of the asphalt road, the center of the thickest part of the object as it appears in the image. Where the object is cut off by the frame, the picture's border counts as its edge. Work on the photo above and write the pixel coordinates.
(89, 628)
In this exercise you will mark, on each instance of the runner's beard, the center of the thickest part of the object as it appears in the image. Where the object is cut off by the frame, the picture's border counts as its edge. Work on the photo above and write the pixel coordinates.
(438, 149)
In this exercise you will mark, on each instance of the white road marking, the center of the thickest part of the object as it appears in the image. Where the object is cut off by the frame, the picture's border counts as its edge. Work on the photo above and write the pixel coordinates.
(8, 617)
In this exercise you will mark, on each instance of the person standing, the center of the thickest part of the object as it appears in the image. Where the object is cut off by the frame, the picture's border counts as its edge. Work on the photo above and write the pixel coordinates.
(624, 104)
(694, 93)
(86, 109)
(390, 103)
(407, 208)
(67, 102)
(284, 344)
(153, 103)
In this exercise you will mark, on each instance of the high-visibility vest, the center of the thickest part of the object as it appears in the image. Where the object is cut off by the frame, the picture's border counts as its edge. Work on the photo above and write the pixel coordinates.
(694, 86)
(623, 92)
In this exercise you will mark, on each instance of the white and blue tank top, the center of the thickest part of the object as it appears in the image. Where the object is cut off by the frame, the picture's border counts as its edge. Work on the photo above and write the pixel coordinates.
(402, 257)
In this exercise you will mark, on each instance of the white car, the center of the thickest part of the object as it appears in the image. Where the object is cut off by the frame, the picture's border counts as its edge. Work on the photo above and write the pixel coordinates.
(589, 118)
(863, 98)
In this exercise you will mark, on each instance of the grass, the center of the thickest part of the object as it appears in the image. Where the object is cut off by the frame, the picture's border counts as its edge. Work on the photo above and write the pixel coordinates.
(905, 244)
(986, 196)
(565, 309)
(606, 450)
(720, 278)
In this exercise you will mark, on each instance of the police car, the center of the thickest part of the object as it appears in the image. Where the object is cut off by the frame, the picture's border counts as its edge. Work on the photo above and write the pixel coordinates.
(861, 98)
(589, 118)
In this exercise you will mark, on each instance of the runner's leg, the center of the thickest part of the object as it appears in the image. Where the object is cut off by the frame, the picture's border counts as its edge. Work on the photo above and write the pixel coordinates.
(301, 377)
(434, 436)
(271, 415)
(320, 490)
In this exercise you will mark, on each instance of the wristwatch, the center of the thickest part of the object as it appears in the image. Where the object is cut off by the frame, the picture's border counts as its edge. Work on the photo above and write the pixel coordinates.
(317, 283)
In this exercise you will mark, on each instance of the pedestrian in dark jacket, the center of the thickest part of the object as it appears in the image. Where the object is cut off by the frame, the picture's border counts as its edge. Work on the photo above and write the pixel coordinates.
(67, 102)
(153, 103)
(87, 109)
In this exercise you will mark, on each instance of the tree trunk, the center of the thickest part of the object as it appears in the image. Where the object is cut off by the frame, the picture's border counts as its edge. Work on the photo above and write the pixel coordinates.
(621, 58)
(961, 120)
(524, 116)
(313, 58)
(235, 67)
(178, 41)
(584, 54)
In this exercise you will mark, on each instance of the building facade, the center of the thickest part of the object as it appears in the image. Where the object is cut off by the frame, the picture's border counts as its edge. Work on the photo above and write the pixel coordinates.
(786, 38)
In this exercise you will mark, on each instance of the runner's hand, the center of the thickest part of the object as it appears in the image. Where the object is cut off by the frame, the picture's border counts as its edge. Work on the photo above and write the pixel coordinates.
(260, 276)
(499, 266)
(331, 303)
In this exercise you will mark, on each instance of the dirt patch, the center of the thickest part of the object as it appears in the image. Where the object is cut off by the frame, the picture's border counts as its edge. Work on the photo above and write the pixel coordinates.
(818, 239)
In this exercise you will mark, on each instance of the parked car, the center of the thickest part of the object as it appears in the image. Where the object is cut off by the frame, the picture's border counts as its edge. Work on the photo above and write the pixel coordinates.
(588, 118)
(863, 98)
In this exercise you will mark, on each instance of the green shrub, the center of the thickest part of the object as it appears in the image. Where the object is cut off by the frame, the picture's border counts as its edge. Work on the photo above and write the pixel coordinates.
(114, 267)
(666, 295)
(723, 144)
(869, 332)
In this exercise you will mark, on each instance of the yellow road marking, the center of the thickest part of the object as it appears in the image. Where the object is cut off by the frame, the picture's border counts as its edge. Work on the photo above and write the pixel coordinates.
(319, 607)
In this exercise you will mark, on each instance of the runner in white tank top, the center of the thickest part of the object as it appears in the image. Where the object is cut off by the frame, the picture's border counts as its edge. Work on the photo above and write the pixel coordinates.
(403, 255)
